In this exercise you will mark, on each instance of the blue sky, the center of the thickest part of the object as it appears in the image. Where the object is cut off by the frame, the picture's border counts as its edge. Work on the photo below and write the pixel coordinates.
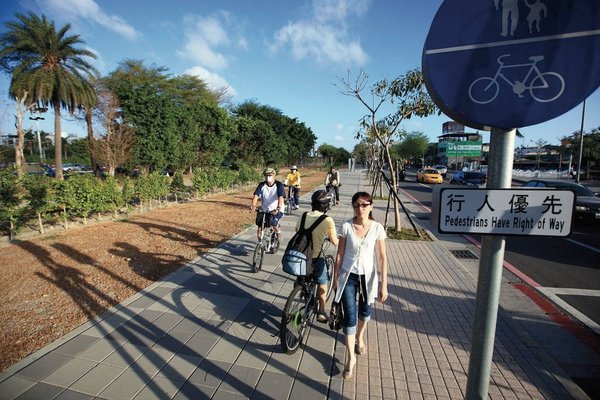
(285, 54)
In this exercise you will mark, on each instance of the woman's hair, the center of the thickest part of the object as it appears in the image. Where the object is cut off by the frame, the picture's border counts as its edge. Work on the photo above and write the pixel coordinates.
(366, 197)
(319, 201)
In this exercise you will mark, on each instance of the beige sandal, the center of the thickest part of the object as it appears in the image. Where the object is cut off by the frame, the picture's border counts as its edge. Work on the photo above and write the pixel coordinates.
(359, 350)
(349, 372)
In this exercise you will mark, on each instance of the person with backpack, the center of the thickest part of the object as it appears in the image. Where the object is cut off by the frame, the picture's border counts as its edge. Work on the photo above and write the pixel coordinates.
(362, 241)
(322, 228)
(271, 193)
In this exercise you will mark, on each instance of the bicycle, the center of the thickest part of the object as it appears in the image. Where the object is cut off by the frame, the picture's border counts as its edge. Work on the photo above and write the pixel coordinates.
(288, 202)
(302, 306)
(268, 241)
(543, 86)
(331, 193)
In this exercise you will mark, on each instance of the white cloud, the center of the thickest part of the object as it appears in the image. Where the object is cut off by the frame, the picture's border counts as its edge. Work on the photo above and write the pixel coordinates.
(88, 9)
(339, 138)
(324, 36)
(205, 37)
(213, 80)
(339, 10)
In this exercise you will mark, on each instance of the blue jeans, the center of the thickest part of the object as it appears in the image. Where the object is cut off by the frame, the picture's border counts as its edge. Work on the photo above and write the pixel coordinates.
(349, 304)
(295, 194)
(320, 272)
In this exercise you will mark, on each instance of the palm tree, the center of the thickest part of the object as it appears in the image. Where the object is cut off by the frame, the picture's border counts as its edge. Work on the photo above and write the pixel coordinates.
(48, 65)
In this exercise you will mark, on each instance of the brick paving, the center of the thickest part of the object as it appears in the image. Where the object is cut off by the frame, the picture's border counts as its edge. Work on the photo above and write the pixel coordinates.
(210, 331)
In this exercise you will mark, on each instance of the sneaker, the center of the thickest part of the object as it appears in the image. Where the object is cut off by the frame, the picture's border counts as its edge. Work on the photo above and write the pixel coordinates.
(322, 317)
(296, 207)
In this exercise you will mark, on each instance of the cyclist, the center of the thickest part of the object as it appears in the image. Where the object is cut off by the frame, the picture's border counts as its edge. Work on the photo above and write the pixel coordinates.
(292, 180)
(271, 193)
(326, 229)
(333, 180)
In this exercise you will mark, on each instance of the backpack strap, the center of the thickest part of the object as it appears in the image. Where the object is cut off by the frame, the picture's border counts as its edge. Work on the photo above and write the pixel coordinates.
(314, 226)
(303, 220)
(316, 223)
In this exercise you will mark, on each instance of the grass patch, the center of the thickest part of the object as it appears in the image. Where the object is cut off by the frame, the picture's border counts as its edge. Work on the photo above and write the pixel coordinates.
(408, 234)
(49, 237)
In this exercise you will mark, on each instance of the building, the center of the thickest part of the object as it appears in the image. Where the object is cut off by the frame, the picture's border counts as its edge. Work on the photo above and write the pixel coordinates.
(457, 148)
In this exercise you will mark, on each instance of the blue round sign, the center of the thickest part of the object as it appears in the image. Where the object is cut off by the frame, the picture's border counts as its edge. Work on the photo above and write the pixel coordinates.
(512, 63)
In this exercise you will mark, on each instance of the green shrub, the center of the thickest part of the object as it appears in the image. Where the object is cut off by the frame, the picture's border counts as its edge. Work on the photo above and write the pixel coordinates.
(201, 181)
(41, 197)
(177, 184)
(11, 196)
(248, 174)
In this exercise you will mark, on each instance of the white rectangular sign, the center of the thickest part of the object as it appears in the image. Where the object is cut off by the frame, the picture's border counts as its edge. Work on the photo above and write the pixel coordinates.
(527, 212)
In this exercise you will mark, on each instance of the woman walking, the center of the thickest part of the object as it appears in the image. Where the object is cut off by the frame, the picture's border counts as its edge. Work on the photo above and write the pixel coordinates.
(362, 240)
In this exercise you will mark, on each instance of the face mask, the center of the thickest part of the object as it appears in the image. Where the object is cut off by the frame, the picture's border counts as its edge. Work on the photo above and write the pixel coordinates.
(269, 179)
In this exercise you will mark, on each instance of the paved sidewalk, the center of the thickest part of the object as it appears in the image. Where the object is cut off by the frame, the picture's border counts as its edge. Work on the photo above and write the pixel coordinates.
(210, 330)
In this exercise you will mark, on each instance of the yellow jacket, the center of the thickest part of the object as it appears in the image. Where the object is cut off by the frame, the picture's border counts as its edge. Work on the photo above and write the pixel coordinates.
(293, 179)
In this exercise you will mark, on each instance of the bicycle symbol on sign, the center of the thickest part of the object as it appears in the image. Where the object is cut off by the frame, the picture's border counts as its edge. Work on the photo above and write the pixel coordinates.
(543, 86)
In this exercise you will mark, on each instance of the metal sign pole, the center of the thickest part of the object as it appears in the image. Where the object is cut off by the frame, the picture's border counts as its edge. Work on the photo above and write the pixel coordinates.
(490, 272)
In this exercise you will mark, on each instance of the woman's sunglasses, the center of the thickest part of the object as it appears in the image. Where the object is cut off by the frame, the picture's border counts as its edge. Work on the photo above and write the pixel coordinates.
(361, 205)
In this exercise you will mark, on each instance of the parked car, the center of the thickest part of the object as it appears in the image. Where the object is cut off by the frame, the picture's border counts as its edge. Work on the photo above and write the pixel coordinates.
(587, 203)
(442, 169)
(468, 178)
(38, 169)
(429, 175)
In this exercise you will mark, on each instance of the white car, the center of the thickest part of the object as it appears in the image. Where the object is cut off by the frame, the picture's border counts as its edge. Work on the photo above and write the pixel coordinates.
(442, 169)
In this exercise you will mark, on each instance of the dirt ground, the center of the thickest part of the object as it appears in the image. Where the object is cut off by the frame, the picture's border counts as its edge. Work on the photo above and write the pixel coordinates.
(51, 284)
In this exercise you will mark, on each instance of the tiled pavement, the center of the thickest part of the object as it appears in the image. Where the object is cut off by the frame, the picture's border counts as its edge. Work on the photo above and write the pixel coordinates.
(210, 330)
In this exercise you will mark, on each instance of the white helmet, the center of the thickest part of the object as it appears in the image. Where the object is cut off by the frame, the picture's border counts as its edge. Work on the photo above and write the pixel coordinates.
(294, 167)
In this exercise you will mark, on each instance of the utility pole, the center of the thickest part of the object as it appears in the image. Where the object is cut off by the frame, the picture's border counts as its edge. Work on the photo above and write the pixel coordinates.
(580, 144)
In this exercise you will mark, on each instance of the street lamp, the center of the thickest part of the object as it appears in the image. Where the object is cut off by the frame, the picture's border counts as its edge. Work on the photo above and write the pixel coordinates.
(37, 131)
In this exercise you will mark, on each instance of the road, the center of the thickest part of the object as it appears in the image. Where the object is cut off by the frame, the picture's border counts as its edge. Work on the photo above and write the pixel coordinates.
(566, 270)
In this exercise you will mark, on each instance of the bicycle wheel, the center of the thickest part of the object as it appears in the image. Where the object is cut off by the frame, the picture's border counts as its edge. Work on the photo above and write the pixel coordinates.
(483, 90)
(257, 260)
(274, 243)
(547, 87)
(329, 265)
(288, 207)
(294, 320)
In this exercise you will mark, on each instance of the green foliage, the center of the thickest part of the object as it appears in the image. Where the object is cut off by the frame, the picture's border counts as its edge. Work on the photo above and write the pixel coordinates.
(152, 186)
(11, 195)
(279, 139)
(248, 174)
(413, 146)
(128, 191)
(109, 196)
(39, 193)
(177, 184)
(340, 155)
(80, 193)
(201, 181)
(224, 178)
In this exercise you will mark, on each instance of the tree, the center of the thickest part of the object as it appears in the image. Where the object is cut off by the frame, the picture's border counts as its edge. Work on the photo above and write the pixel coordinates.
(292, 139)
(49, 66)
(413, 146)
(408, 96)
(337, 155)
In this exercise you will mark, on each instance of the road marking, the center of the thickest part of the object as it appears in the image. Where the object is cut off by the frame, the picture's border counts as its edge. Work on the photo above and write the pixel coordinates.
(548, 305)
(552, 294)
(587, 246)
